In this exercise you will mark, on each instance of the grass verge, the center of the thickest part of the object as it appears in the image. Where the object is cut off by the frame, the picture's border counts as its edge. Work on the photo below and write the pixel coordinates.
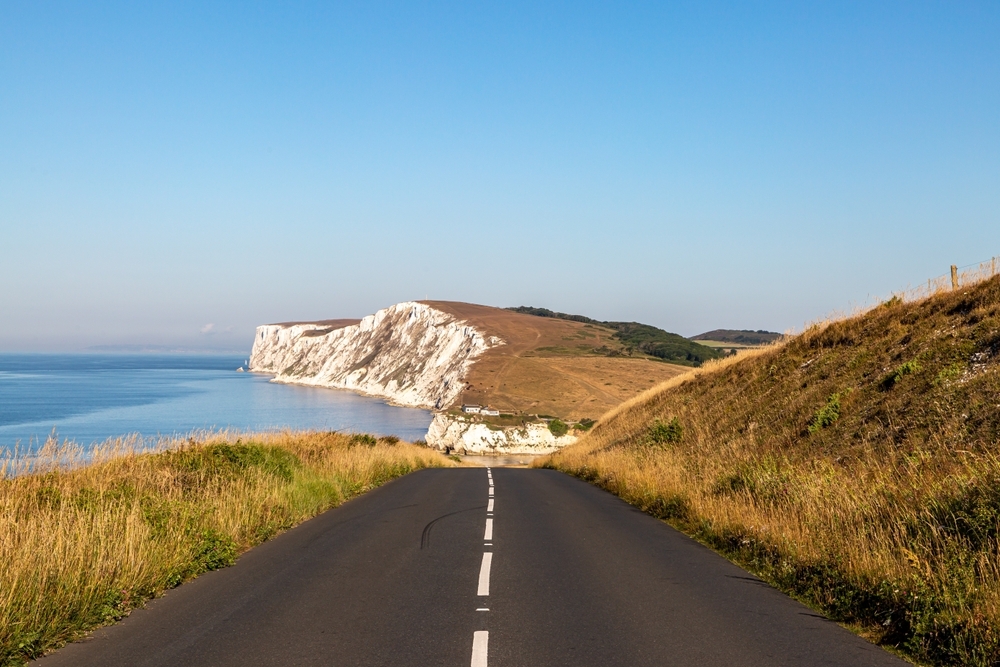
(86, 538)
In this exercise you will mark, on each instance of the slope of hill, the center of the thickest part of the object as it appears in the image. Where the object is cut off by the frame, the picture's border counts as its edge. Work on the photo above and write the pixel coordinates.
(550, 366)
(638, 339)
(854, 466)
(739, 336)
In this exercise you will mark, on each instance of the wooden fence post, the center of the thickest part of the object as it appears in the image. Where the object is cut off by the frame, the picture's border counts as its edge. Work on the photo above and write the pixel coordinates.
(954, 277)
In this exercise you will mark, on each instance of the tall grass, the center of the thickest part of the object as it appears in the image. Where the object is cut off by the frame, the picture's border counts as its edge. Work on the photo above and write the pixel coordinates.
(87, 536)
(854, 466)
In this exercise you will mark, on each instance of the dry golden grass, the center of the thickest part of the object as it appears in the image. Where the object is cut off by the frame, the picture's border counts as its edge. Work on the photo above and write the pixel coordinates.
(575, 387)
(548, 366)
(854, 466)
(85, 539)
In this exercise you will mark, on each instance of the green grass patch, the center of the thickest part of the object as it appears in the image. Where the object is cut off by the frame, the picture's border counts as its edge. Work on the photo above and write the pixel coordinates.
(826, 415)
(665, 432)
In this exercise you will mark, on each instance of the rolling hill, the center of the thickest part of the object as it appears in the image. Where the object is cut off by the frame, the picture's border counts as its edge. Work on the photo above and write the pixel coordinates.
(855, 466)
(551, 366)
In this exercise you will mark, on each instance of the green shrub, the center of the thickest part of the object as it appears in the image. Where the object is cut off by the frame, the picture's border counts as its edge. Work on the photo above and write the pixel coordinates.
(827, 414)
(215, 550)
(389, 440)
(584, 424)
(662, 433)
(890, 380)
(558, 427)
(950, 373)
(363, 439)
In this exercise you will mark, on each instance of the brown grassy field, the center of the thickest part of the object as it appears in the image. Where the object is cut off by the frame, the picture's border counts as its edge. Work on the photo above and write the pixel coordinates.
(85, 540)
(575, 387)
(854, 466)
(549, 366)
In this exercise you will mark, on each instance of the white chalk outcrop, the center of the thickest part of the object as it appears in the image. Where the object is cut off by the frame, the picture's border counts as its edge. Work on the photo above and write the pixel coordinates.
(470, 437)
(410, 354)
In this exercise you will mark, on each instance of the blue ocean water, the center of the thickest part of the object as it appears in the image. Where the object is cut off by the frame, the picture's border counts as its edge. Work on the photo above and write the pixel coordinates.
(88, 398)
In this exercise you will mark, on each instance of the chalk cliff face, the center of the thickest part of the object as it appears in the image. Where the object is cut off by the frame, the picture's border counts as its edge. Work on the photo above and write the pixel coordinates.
(448, 433)
(410, 353)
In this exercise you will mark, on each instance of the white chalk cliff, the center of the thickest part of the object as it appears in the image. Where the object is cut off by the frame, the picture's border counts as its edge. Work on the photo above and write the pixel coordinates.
(470, 437)
(410, 354)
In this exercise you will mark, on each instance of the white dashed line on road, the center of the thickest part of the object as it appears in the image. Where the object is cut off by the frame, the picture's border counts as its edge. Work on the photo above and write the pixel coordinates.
(484, 574)
(480, 640)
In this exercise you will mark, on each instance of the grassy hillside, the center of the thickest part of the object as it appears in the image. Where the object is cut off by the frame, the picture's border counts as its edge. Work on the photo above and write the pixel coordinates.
(636, 338)
(569, 369)
(83, 543)
(854, 466)
(739, 336)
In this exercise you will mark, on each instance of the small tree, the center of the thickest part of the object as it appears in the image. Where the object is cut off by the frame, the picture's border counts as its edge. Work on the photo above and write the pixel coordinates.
(558, 427)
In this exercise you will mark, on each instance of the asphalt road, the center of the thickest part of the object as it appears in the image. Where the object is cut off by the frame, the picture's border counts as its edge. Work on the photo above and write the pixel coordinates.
(410, 575)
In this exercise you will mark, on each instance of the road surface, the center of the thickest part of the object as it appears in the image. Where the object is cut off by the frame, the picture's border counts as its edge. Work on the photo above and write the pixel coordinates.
(474, 566)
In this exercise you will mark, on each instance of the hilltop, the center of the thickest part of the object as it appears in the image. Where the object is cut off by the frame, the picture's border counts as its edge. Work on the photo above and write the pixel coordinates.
(635, 339)
(854, 466)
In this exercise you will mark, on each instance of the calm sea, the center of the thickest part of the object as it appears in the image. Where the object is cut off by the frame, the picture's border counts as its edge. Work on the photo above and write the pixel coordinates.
(89, 398)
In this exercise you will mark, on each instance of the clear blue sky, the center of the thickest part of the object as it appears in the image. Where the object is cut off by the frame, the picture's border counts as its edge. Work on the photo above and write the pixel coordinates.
(689, 165)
